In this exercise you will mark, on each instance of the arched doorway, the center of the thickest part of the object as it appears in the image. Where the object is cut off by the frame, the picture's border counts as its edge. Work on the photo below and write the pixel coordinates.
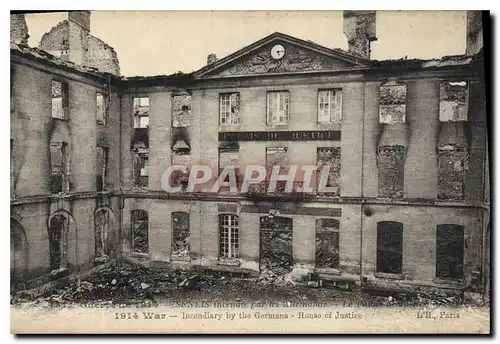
(18, 253)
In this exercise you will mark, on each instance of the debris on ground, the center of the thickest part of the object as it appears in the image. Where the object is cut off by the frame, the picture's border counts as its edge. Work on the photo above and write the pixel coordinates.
(131, 285)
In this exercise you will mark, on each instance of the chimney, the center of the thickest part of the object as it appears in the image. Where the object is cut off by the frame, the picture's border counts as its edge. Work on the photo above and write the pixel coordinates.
(212, 58)
(18, 29)
(82, 18)
(360, 30)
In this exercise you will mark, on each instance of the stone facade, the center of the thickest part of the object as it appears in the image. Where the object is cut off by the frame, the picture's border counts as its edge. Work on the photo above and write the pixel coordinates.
(217, 231)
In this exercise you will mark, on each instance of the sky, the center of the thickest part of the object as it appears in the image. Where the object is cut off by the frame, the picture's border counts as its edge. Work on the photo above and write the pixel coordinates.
(165, 42)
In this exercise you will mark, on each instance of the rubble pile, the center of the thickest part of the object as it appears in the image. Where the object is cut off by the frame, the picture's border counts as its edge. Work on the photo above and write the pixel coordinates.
(422, 300)
(134, 285)
(120, 284)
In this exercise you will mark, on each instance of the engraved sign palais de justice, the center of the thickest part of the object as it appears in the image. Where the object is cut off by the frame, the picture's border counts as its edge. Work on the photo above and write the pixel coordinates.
(393, 212)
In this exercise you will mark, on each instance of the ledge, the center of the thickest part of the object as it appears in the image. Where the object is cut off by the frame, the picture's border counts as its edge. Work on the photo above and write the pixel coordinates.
(180, 259)
(327, 271)
(449, 281)
(229, 262)
(389, 276)
(216, 197)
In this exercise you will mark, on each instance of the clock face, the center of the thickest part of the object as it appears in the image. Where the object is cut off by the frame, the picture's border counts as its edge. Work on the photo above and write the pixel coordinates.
(277, 52)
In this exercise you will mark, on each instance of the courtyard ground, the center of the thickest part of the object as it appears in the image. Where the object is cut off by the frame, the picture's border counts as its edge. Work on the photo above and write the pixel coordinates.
(133, 284)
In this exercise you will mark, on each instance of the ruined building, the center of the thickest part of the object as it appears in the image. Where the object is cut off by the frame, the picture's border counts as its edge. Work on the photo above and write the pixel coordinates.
(405, 141)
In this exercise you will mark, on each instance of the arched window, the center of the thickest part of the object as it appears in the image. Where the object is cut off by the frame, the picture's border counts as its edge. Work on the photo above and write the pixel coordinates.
(327, 243)
(140, 231)
(180, 234)
(229, 245)
(58, 241)
(390, 247)
(450, 251)
(101, 227)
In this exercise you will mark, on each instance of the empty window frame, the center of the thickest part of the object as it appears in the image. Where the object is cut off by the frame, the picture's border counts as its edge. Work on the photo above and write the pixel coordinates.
(181, 110)
(180, 157)
(278, 107)
(330, 157)
(450, 251)
(392, 103)
(390, 161)
(452, 172)
(58, 241)
(102, 168)
(59, 167)
(59, 99)
(229, 108)
(330, 106)
(180, 234)
(140, 231)
(101, 109)
(228, 236)
(230, 158)
(327, 244)
(140, 164)
(141, 112)
(453, 101)
(390, 247)
(275, 156)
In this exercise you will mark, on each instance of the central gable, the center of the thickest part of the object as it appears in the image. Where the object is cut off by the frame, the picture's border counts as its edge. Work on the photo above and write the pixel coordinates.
(296, 59)
(298, 56)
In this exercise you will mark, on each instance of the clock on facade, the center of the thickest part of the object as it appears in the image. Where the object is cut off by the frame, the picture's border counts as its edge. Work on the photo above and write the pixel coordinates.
(277, 51)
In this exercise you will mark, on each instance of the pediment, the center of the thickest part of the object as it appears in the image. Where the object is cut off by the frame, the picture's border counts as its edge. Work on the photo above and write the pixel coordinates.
(298, 56)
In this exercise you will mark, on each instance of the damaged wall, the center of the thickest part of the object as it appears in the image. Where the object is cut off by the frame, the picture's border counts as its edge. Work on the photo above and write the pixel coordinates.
(360, 30)
(18, 29)
(102, 56)
(32, 131)
(474, 29)
(71, 40)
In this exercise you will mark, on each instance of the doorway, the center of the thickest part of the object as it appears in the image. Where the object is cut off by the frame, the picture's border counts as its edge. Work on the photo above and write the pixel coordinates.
(276, 246)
